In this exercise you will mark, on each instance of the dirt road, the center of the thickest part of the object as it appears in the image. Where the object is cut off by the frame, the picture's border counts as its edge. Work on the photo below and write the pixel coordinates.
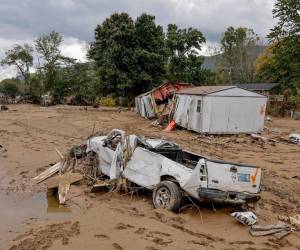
(31, 220)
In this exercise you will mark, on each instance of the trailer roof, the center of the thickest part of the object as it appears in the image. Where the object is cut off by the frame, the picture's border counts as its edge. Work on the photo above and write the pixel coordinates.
(258, 86)
(173, 86)
(203, 90)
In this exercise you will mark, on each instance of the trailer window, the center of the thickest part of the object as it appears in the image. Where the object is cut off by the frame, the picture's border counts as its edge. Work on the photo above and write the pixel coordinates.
(199, 106)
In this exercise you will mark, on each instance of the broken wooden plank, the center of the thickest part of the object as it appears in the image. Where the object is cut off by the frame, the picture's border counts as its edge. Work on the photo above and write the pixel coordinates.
(71, 178)
(269, 227)
(48, 172)
(278, 230)
(60, 154)
(63, 189)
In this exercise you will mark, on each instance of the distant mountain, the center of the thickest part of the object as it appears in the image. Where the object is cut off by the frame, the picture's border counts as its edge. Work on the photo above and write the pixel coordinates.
(211, 61)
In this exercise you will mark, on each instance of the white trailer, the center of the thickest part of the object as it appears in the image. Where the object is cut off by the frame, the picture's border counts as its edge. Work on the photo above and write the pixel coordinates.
(220, 109)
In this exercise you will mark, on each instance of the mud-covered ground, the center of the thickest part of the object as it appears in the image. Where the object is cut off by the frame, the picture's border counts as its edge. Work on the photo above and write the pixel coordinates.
(29, 220)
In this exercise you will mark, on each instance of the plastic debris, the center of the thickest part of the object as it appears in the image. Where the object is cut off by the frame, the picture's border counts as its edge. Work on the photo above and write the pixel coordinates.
(246, 218)
(295, 138)
(170, 126)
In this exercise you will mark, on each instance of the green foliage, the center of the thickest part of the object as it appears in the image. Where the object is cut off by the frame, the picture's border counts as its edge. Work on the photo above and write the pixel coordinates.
(83, 81)
(182, 48)
(284, 63)
(284, 66)
(113, 52)
(288, 14)
(149, 54)
(239, 50)
(129, 55)
(107, 101)
(35, 87)
(47, 46)
(9, 87)
(222, 77)
(135, 56)
(48, 49)
(295, 99)
(20, 57)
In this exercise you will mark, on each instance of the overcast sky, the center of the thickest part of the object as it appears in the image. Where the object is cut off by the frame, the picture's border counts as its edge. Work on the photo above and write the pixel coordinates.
(23, 20)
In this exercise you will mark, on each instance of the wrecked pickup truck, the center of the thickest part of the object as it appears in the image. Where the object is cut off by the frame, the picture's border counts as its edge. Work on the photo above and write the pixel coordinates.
(163, 167)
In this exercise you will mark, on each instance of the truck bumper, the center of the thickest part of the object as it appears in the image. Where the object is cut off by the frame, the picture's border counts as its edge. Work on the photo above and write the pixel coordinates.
(226, 197)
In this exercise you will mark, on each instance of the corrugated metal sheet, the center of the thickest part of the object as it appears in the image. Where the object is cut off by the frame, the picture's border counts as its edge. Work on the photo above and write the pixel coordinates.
(167, 88)
(146, 103)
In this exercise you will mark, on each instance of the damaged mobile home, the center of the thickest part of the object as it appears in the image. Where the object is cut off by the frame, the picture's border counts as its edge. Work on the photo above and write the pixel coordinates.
(156, 102)
(220, 109)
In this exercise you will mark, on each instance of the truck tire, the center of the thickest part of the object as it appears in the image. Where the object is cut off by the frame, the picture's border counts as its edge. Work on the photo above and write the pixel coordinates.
(167, 195)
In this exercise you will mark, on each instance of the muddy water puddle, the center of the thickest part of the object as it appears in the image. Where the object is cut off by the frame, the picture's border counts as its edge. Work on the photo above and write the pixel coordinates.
(17, 209)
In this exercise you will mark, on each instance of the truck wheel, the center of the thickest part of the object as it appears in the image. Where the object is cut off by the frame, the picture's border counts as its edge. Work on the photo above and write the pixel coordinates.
(167, 195)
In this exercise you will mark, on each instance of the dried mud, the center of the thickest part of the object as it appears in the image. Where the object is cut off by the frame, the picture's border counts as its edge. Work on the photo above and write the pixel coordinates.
(29, 134)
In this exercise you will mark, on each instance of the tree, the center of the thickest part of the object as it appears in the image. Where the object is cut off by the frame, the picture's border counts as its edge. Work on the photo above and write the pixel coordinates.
(288, 14)
(281, 61)
(239, 49)
(150, 53)
(48, 48)
(265, 65)
(286, 38)
(20, 57)
(113, 52)
(129, 55)
(182, 47)
(81, 81)
(221, 76)
(9, 87)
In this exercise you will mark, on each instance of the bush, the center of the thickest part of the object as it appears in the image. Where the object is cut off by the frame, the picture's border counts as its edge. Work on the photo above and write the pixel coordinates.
(107, 101)
(9, 88)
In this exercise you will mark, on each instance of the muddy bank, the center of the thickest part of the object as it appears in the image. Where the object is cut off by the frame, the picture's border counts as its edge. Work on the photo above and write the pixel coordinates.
(28, 136)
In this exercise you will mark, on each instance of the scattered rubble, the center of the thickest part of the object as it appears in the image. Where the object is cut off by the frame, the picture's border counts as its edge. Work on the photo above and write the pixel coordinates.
(2, 149)
(3, 108)
(246, 218)
(294, 138)
(278, 230)
(292, 220)
(262, 140)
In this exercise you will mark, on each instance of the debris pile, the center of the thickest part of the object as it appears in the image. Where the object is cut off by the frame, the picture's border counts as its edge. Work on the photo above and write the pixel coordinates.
(292, 220)
(279, 230)
(73, 167)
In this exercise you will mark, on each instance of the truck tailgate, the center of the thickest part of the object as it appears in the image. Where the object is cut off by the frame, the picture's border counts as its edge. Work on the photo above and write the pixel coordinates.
(228, 176)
